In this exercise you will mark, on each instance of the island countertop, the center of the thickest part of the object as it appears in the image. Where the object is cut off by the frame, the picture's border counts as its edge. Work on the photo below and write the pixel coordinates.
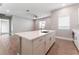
(30, 35)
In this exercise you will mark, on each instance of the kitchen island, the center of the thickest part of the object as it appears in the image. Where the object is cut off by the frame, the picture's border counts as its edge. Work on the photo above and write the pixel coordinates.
(35, 42)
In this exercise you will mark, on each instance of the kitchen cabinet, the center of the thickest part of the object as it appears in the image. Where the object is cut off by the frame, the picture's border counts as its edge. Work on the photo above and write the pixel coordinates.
(35, 42)
(39, 46)
(76, 38)
(48, 42)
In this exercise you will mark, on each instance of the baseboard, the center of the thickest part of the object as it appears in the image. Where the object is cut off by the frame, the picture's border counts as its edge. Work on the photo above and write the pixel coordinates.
(64, 38)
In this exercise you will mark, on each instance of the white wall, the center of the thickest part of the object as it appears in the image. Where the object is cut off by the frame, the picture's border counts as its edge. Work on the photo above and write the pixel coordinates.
(52, 21)
(72, 11)
(20, 24)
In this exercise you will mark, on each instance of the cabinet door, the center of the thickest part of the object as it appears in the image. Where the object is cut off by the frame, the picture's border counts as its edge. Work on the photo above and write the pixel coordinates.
(76, 40)
(39, 46)
(47, 38)
(52, 38)
(26, 46)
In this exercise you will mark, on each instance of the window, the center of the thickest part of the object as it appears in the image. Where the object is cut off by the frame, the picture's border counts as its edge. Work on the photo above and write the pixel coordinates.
(42, 24)
(64, 22)
(4, 26)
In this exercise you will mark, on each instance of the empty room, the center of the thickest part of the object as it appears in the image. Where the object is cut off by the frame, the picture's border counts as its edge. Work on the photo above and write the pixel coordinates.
(39, 28)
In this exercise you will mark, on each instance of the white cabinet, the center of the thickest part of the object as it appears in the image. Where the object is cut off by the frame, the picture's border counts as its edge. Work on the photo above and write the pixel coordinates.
(26, 47)
(42, 45)
(76, 40)
(52, 38)
(37, 46)
(47, 38)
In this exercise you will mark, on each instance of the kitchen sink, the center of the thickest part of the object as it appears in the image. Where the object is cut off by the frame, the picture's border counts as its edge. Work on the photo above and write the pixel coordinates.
(45, 31)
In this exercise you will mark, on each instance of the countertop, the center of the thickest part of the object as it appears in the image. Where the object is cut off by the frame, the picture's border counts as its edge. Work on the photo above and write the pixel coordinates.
(75, 31)
(30, 35)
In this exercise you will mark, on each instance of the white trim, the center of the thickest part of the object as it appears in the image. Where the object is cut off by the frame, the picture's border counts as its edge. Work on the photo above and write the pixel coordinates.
(64, 38)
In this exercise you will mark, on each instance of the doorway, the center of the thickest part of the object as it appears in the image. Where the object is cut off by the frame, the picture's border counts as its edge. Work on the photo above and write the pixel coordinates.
(5, 26)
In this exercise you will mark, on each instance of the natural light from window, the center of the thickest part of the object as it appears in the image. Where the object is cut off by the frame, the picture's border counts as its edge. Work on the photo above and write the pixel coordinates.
(42, 24)
(64, 22)
(4, 26)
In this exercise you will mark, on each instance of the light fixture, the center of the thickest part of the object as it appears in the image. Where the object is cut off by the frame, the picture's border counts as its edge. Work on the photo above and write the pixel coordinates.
(27, 10)
(64, 4)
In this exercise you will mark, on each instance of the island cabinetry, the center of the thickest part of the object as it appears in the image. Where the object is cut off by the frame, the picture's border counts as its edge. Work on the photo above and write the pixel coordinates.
(37, 44)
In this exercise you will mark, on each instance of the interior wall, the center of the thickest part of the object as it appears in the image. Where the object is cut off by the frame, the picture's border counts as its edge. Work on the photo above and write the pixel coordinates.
(52, 21)
(20, 24)
(72, 11)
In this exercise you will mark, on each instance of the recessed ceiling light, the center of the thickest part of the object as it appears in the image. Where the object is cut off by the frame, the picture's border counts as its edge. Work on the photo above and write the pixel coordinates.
(64, 4)
(27, 10)
(7, 10)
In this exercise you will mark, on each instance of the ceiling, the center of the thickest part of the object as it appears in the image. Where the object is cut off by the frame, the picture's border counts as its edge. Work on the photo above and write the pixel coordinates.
(38, 9)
